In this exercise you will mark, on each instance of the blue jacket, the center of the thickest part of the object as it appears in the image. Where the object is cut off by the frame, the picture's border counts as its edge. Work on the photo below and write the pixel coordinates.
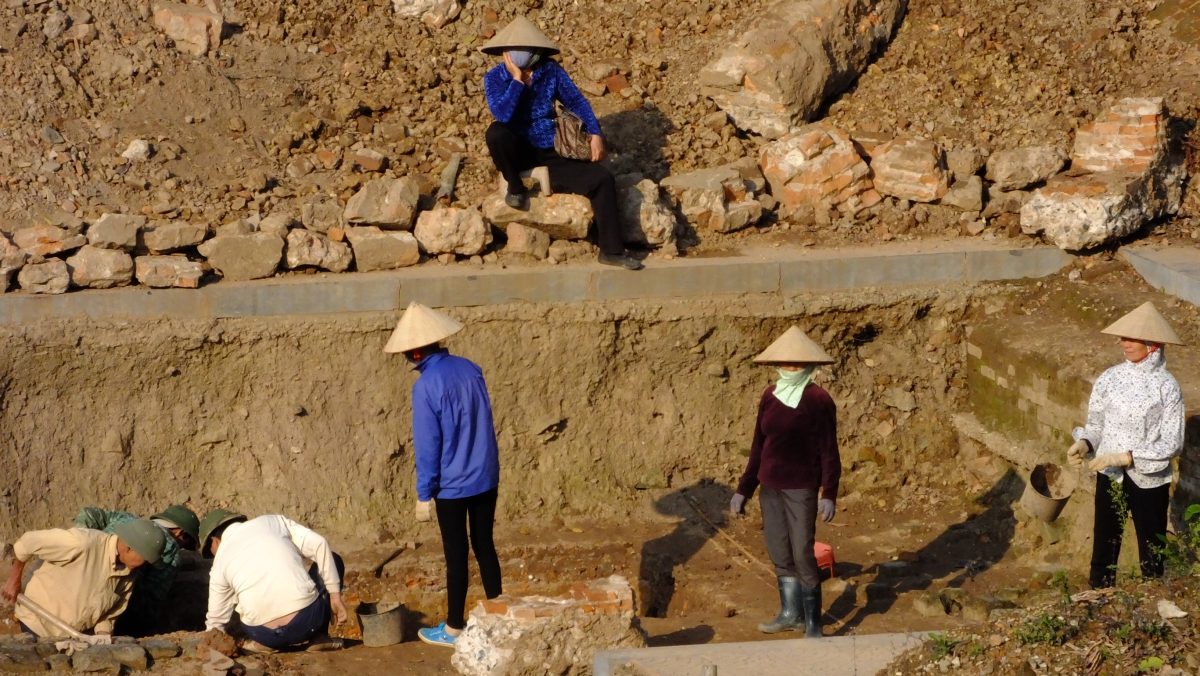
(452, 429)
(530, 110)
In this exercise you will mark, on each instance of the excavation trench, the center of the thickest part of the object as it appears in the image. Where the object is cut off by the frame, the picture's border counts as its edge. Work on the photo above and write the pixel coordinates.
(623, 427)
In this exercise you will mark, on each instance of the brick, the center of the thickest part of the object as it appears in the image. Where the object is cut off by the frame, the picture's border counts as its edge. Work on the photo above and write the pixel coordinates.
(494, 607)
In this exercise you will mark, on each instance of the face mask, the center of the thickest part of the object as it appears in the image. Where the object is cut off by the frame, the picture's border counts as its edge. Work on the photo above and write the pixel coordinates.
(790, 386)
(524, 59)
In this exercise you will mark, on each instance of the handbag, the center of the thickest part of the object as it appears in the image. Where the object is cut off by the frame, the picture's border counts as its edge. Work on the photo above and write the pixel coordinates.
(570, 139)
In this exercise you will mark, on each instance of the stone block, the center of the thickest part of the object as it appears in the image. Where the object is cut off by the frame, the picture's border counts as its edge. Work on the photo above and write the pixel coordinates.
(385, 202)
(966, 194)
(95, 268)
(793, 57)
(305, 248)
(97, 659)
(240, 257)
(965, 162)
(277, 224)
(453, 230)
(21, 659)
(376, 249)
(1130, 136)
(1019, 168)
(646, 216)
(116, 231)
(130, 655)
(433, 13)
(46, 240)
(195, 30)
(528, 241)
(12, 257)
(929, 603)
(1004, 201)
(911, 169)
(50, 276)
(173, 236)
(1082, 212)
(562, 216)
(160, 648)
(322, 216)
(366, 159)
(715, 200)
(163, 272)
(540, 635)
(817, 164)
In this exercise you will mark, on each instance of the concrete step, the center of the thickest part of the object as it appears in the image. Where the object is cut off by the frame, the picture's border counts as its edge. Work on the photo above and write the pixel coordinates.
(784, 270)
(832, 656)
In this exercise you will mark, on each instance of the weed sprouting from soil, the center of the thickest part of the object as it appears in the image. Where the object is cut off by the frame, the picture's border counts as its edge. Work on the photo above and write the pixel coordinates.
(1181, 551)
(941, 645)
(1046, 629)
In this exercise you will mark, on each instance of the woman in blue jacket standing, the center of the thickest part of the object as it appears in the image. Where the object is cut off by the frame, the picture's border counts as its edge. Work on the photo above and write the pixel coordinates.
(458, 463)
(521, 93)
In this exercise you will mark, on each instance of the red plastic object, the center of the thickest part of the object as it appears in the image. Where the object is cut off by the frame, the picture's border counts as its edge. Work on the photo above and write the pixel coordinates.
(825, 558)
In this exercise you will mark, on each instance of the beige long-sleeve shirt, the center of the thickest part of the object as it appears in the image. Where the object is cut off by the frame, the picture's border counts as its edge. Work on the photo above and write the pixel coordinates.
(259, 570)
(80, 581)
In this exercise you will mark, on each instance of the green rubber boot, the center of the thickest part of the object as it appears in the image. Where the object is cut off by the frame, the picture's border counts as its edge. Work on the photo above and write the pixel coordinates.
(789, 617)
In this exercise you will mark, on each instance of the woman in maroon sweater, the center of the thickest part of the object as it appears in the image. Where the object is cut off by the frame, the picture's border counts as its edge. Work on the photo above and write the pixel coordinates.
(794, 455)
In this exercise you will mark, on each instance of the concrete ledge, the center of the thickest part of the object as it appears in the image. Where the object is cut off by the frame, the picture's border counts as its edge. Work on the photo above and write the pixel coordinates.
(834, 656)
(1175, 271)
(778, 270)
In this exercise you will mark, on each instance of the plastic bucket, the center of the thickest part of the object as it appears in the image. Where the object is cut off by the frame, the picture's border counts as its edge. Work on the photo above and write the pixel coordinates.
(1047, 491)
(382, 623)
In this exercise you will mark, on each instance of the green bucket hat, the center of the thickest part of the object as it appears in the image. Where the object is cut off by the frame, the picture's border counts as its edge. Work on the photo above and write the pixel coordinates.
(143, 537)
(212, 521)
(183, 517)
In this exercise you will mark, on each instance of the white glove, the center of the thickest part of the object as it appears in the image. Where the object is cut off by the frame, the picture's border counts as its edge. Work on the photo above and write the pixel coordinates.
(1102, 462)
(1076, 454)
(737, 505)
(423, 510)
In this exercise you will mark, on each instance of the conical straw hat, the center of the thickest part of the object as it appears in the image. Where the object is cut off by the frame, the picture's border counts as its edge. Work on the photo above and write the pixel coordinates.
(421, 326)
(793, 347)
(520, 33)
(1144, 323)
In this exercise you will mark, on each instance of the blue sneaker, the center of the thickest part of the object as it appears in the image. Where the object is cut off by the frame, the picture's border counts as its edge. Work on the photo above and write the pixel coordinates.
(436, 636)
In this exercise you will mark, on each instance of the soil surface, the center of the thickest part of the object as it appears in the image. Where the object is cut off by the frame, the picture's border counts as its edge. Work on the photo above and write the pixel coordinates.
(251, 128)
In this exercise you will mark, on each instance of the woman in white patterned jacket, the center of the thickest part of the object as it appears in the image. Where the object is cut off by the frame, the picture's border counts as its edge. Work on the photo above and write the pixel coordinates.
(1134, 427)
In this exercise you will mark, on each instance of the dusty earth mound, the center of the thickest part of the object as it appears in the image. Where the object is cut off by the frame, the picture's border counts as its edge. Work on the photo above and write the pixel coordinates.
(264, 122)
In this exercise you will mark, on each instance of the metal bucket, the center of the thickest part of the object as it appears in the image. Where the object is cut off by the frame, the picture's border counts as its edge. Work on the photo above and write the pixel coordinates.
(1047, 491)
(382, 623)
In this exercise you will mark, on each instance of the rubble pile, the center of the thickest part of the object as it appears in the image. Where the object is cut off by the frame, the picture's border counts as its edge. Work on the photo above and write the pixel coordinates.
(213, 121)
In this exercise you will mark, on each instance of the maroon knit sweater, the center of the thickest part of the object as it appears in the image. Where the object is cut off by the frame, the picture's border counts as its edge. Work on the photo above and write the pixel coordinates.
(794, 447)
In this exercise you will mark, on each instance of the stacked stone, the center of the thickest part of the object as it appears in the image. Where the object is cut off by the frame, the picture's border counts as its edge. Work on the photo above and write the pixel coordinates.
(1124, 175)
(815, 164)
(531, 635)
(25, 653)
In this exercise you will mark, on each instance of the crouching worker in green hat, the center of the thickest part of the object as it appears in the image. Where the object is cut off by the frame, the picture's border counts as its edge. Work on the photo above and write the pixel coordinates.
(86, 576)
(258, 569)
(150, 597)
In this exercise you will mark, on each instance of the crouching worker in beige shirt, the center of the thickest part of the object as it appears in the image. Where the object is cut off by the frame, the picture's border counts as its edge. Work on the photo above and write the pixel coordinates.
(86, 576)
(259, 570)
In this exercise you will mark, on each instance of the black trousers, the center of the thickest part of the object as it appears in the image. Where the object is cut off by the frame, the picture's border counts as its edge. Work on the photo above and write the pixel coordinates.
(512, 154)
(1148, 507)
(454, 515)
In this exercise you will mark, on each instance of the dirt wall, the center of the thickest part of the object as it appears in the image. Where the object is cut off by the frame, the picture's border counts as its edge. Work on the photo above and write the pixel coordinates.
(595, 404)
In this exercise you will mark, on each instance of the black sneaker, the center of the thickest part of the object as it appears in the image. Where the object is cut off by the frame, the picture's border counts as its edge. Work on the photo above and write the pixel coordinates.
(621, 260)
(517, 200)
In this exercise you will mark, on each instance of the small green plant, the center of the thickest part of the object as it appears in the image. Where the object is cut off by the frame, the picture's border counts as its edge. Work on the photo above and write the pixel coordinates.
(1062, 582)
(976, 649)
(1159, 631)
(1181, 551)
(941, 645)
(1152, 663)
(1124, 631)
(1046, 629)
